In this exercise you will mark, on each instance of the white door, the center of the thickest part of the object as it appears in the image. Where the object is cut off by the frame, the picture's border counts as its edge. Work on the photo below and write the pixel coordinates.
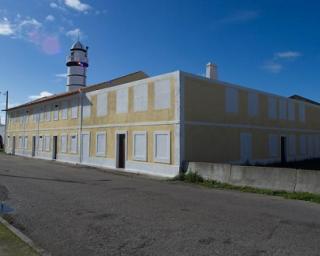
(246, 147)
(85, 142)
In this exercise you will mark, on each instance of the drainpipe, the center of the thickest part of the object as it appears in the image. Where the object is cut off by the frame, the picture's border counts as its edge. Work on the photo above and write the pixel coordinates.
(81, 123)
(5, 139)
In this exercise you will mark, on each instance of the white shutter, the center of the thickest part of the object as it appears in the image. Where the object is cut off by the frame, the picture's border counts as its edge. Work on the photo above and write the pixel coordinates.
(291, 110)
(282, 109)
(161, 149)
(87, 106)
(245, 147)
(122, 100)
(303, 145)
(64, 139)
(231, 100)
(73, 143)
(64, 114)
(101, 144)
(140, 146)
(140, 102)
(292, 145)
(102, 104)
(74, 109)
(162, 95)
(253, 104)
(302, 117)
(272, 108)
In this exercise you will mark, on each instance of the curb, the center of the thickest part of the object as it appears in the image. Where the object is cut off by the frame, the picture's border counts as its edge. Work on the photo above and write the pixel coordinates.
(24, 238)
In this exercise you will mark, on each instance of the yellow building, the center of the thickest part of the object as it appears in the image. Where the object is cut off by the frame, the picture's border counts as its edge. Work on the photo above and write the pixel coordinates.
(155, 124)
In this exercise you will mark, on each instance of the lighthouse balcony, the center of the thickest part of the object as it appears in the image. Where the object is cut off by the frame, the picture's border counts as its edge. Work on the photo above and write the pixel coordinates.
(70, 59)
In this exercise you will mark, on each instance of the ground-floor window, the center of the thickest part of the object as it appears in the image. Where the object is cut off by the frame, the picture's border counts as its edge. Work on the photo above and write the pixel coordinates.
(140, 146)
(47, 143)
(101, 144)
(64, 143)
(245, 147)
(161, 147)
(73, 143)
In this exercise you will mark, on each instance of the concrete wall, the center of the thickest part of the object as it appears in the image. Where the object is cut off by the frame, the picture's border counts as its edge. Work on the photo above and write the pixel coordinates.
(291, 180)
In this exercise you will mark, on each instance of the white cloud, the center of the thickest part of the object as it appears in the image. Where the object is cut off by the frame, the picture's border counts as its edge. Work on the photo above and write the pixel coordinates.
(77, 5)
(6, 28)
(53, 5)
(62, 75)
(73, 34)
(287, 55)
(273, 67)
(240, 16)
(41, 95)
(50, 18)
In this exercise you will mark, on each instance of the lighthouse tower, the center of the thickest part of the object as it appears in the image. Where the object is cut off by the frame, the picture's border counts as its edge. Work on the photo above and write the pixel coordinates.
(77, 63)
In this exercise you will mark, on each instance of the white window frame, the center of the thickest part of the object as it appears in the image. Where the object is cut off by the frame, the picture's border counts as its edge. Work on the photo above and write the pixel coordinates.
(70, 143)
(101, 154)
(55, 112)
(74, 109)
(273, 143)
(166, 160)
(283, 109)
(134, 156)
(302, 112)
(231, 100)
(159, 102)
(272, 108)
(87, 107)
(291, 110)
(303, 145)
(253, 104)
(140, 101)
(64, 110)
(25, 142)
(47, 145)
(64, 150)
(123, 104)
(102, 104)
(48, 113)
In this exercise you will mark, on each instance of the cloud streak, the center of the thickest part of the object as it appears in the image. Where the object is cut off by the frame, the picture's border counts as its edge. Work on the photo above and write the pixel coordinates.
(289, 55)
(40, 95)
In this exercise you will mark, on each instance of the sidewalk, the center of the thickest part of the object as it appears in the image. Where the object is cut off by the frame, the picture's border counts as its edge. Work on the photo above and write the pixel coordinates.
(11, 245)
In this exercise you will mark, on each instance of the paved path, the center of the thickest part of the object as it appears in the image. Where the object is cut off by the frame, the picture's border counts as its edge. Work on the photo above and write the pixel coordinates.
(79, 211)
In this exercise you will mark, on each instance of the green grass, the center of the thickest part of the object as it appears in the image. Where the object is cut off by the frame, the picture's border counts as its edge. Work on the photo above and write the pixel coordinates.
(197, 179)
(11, 245)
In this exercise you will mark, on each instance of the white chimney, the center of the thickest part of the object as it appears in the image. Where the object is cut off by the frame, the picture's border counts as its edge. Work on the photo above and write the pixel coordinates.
(212, 71)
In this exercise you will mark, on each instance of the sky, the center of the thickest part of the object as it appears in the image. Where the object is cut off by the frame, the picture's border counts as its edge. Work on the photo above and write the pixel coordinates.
(270, 45)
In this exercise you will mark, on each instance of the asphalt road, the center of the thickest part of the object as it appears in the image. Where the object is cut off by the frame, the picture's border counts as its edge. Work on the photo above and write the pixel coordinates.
(70, 210)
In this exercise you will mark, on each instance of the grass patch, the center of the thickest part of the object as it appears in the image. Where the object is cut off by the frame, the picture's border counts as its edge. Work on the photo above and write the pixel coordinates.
(197, 179)
(11, 245)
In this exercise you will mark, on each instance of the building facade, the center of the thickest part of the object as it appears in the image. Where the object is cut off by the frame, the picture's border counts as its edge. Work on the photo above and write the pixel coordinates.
(155, 124)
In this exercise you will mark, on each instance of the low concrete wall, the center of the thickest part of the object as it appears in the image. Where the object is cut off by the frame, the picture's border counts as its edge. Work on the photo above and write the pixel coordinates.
(260, 177)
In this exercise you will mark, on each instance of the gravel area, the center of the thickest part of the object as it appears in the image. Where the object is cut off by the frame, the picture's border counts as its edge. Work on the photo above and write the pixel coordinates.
(73, 210)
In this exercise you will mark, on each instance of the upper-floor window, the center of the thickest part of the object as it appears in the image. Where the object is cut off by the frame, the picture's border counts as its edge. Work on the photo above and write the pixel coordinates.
(272, 107)
(162, 96)
(253, 104)
(56, 112)
(231, 100)
(87, 106)
(140, 102)
(74, 109)
(122, 100)
(64, 110)
(102, 104)
(302, 117)
(291, 111)
(48, 113)
(282, 109)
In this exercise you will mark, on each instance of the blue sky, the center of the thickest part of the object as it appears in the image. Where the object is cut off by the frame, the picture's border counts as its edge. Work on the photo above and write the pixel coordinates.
(268, 45)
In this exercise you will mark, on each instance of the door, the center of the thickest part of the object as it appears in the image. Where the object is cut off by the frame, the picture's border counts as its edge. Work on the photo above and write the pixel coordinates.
(13, 145)
(85, 147)
(54, 147)
(283, 149)
(121, 150)
(33, 145)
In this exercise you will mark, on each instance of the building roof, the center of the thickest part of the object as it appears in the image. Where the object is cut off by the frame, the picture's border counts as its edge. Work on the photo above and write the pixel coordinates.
(298, 97)
(116, 81)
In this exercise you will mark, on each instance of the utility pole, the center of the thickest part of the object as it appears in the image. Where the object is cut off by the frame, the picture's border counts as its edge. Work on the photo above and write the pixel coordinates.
(6, 119)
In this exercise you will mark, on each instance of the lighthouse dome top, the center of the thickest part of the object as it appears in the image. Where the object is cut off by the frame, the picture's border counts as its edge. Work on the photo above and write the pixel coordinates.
(78, 46)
